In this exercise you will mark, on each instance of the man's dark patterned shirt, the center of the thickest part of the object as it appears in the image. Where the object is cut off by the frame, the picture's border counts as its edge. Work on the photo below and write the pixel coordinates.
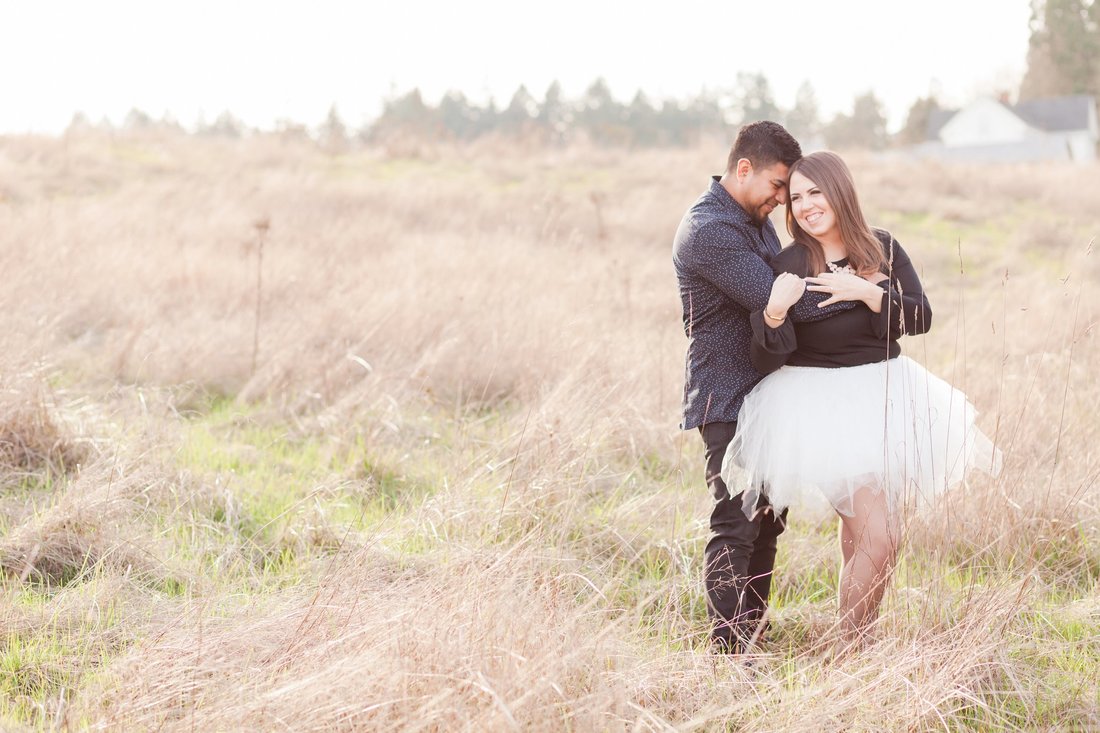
(721, 258)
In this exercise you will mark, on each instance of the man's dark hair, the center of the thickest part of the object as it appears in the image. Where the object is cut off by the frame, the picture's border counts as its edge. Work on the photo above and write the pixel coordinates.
(764, 143)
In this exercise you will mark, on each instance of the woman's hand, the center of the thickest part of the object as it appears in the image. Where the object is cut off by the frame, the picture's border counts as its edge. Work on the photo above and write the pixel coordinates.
(846, 286)
(786, 290)
(876, 277)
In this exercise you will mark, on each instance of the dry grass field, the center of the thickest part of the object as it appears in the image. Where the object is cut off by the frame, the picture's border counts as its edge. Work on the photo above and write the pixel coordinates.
(293, 440)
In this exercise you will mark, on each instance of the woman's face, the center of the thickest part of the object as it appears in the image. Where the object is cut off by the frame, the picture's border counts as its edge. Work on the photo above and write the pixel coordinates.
(810, 207)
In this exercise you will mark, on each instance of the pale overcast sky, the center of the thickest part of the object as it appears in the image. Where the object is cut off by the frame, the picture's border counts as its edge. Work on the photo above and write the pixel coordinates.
(269, 60)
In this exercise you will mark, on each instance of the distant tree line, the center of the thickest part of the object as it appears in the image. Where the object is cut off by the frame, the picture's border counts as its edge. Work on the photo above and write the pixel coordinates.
(1063, 58)
(597, 116)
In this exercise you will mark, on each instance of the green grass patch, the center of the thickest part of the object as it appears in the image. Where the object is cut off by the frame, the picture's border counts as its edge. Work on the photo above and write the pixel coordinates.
(282, 497)
(39, 668)
(264, 477)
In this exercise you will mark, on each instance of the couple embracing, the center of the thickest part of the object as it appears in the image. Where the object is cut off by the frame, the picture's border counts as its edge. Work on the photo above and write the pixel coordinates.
(796, 381)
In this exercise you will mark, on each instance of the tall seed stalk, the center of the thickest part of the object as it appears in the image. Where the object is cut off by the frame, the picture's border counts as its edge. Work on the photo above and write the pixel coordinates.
(262, 227)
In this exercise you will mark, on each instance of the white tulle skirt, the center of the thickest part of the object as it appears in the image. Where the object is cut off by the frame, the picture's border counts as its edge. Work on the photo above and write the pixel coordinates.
(811, 437)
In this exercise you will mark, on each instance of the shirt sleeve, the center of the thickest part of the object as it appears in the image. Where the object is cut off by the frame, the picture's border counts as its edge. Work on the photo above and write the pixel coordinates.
(723, 256)
(806, 310)
(771, 346)
(905, 308)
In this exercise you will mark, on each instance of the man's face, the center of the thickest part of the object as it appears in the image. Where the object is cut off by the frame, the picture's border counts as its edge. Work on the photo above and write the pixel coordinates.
(764, 190)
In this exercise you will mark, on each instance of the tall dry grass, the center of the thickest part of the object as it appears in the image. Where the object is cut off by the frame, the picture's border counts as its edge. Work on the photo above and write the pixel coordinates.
(451, 493)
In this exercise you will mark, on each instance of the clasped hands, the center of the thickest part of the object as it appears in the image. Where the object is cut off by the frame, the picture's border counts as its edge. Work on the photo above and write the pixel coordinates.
(788, 288)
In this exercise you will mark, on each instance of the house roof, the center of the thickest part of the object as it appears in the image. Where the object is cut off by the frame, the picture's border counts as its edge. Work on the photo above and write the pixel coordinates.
(937, 119)
(1056, 113)
(1053, 114)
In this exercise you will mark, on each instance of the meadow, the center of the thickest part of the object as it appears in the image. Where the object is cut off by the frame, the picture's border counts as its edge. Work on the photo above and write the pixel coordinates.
(386, 439)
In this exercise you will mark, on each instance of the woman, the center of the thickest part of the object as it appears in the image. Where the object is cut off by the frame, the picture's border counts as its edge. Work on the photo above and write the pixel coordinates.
(846, 420)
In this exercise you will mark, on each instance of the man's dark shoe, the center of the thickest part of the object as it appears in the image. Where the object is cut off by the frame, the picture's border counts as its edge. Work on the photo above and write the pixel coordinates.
(721, 645)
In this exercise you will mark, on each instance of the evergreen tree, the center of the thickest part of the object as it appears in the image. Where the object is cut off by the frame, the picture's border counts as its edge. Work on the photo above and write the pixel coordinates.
(705, 114)
(406, 115)
(554, 115)
(642, 119)
(753, 99)
(676, 123)
(137, 119)
(79, 124)
(1063, 54)
(521, 113)
(226, 125)
(803, 121)
(601, 116)
(865, 127)
(869, 119)
(333, 134)
(916, 122)
(459, 118)
(289, 130)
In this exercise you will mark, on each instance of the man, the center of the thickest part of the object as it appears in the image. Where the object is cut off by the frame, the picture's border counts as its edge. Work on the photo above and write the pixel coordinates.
(721, 254)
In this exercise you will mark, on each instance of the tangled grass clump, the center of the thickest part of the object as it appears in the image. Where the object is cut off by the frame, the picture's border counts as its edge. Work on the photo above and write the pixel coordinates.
(33, 438)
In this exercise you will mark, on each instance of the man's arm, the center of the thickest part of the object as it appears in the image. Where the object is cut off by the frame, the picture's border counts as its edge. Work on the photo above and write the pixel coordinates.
(806, 310)
(722, 255)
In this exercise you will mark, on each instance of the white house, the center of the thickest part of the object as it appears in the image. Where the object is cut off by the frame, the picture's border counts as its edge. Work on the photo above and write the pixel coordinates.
(1056, 128)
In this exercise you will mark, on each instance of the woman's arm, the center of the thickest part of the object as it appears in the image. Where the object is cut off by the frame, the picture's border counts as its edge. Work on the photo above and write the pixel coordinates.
(897, 302)
(905, 307)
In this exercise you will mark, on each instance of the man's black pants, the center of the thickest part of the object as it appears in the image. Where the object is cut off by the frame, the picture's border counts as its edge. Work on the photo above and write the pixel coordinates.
(740, 554)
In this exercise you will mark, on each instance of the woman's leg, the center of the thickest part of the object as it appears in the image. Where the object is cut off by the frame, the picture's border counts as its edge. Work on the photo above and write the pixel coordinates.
(871, 540)
(847, 542)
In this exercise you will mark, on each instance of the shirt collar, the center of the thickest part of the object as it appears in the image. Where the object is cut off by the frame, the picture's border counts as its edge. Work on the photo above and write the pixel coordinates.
(723, 197)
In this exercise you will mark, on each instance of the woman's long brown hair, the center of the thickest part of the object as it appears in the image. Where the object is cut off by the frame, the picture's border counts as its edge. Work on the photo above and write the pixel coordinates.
(829, 173)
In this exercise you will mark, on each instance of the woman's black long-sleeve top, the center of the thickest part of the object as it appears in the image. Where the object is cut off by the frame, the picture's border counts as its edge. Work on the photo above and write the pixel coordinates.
(852, 337)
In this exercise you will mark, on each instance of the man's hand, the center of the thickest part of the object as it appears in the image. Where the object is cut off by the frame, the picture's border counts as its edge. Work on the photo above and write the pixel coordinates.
(845, 286)
(786, 290)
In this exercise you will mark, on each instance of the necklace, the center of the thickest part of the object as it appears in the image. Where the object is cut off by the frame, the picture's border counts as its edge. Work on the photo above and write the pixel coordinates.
(833, 267)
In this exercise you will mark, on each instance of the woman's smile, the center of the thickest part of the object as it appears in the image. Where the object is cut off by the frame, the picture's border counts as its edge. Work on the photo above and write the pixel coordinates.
(811, 208)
